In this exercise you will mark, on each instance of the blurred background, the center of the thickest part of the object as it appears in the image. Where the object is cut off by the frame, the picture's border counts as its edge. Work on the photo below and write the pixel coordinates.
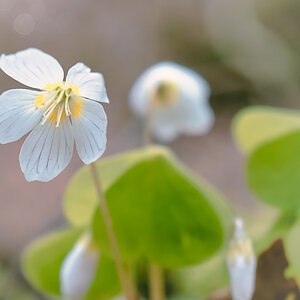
(248, 50)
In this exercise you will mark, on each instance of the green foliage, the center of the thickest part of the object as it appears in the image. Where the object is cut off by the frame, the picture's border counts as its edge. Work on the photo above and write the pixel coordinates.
(292, 242)
(256, 125)
(274, 172)
(160, 211)
(271, 139)
(287, 228)
(80, 201)
(202, 280)
(106, 282)
(161, 215)
(42, 260)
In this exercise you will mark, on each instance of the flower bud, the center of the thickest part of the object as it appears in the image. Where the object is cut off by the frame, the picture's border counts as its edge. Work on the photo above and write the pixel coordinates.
(78, 268)
(241, 263)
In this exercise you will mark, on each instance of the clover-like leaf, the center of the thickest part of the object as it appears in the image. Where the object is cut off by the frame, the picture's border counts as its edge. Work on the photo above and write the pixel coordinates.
(43, 258)
(162, 213)
(80, 201)
(256, 125)
(274, 172)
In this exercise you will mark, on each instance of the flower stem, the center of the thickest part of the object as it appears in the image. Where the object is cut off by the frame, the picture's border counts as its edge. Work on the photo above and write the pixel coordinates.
(156, 282)
(126, 282)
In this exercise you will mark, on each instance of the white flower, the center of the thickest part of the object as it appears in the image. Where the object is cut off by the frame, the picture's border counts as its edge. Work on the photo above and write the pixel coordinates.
(78, 269)
(58, 114)
(241, 263)
(177, 98)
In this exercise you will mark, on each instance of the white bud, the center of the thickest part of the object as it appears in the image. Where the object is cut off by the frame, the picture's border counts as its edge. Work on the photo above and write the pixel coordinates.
(78, 268)
(241, 263)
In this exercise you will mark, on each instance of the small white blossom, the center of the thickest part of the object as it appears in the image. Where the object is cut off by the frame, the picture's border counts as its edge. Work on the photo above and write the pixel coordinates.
(177, 98)
(241, 263)
(60, 113)
(78, 268)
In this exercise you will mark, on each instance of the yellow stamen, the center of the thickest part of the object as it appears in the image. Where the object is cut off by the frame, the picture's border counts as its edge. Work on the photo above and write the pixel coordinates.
(59, 101)
(39, 101)
(164, 94)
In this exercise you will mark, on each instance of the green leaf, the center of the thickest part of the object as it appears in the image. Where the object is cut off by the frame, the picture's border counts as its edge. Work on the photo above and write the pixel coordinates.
(274, 172)
(203, 280)
(287, 228)
(279, 229)
(292, 241)
(254, 126)
(161, 213)
(80, 201)
(42, 260)
(106, 283)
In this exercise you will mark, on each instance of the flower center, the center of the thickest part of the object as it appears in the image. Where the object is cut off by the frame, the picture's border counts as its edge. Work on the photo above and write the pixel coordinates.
(165, 93)
(58, 102)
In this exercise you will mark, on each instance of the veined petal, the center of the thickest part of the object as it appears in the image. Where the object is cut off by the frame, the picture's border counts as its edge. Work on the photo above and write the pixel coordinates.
(47, 151)
(18, 114)
(32, 67)
(91, 85)
(90, 131)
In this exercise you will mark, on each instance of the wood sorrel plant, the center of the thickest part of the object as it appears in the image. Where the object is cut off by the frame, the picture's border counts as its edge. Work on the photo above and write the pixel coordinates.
(63, 111)
(138, 206)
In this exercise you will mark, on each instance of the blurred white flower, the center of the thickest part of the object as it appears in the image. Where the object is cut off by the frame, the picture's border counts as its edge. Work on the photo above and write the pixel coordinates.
(78, 269)
(176, 98)
(63, 111)
(241, 263)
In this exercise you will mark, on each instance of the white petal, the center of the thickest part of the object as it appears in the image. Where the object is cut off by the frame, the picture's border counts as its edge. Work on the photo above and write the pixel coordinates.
(91, 85)
(32, 67)
(242, 278)
(90, 131)
(47, 151)
(199, 120)
(78, 269)
(18, 114)
(241, 263)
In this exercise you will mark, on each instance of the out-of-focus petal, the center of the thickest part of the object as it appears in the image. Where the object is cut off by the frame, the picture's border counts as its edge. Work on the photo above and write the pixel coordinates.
(200, 121)
(241, 263)
(91, 85)
(90, 131)
(47, 151)
(78, 269)
(32, 67)
(18, 115)
(242, 278)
